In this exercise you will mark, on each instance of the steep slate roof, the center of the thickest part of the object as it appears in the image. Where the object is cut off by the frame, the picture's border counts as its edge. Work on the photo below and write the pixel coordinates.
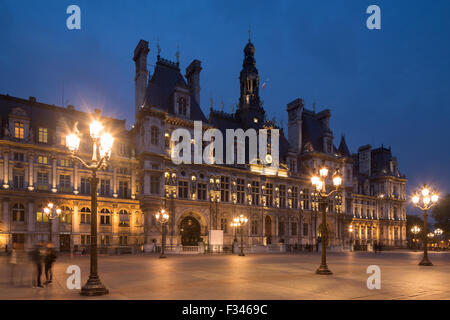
(343, 149)
(166, 77)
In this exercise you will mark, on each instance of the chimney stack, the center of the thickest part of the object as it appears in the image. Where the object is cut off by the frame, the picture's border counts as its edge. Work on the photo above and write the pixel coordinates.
(140, 81)
(193, 78)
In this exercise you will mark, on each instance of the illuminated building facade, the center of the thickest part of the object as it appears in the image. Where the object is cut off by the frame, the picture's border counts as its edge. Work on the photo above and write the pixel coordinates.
(141, 178)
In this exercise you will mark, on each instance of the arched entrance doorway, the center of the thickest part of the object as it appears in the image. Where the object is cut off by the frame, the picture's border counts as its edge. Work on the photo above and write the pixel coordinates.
(268, 229)
(190, 231)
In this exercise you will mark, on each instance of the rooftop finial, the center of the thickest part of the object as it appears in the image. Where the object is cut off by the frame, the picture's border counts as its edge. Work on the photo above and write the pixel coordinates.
(211, 102)
(158, 48)
(177, 54)
(232, 108)
(221, 105)
(249, 33)
(314, 107)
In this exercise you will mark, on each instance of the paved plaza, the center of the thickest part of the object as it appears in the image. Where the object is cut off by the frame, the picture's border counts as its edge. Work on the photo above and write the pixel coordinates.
(257, 276)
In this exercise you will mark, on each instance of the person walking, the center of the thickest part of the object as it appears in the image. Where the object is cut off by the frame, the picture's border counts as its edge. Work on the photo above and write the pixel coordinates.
(50, 258)
(36, 258)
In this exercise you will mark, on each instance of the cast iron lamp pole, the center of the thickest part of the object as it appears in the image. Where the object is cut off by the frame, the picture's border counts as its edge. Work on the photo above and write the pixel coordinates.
(234, 225)
(424, 201)
(438, 232)
(319, 182)
(162, 217)
(102, 145)
(240, 222)
(415, 231)
(350, 229)
(49, 211)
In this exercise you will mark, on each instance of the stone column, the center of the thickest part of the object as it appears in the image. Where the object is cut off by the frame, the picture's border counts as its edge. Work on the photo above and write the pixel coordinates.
(30, 172)
(76, 225)
(75, 178)
(115, 182)
(133, 183)
(54, 174)
(6, 169)
(7, 221)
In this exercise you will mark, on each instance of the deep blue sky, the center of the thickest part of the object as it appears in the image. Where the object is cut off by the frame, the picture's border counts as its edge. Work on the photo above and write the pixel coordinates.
(388, 86)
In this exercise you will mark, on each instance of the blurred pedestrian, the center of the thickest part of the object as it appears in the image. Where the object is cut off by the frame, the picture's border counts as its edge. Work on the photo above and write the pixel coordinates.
(17, 263)
(36, 258)
(50, 258)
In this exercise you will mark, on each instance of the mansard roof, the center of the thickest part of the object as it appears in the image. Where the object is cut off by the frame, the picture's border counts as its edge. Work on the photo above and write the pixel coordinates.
(313, 132)
(166, 78)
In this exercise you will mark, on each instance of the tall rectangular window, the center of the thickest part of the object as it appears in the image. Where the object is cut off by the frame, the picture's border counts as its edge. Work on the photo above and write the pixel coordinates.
(123, 189)
(294, 195)
(155, 185)
(305, 229)
(268, 192)
(255, 193)
(282, 189)
(254, 227)
(43, 135)
(224, 189)
(224, 225)
(183, 189)
(305, 199)
(19, 130)
(240, 190)
(201, 189)
(294, 228)
(64, 183)
(105, 185)
(42, 180)
(19, 156)
(85, 186)
(281, 228)
(42, 160)
(19, 179)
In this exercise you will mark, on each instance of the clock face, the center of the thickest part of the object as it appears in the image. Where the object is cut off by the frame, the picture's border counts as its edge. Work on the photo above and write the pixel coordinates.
(268, 158)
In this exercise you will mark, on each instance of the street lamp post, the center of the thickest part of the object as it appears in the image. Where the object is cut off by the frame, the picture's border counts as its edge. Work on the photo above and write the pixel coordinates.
(425, 201)
(415, 231)
(162, 217)
(102, 143)
(52, 213)
(350, 229)
(234, 225)
(319, 182)
(240, 222)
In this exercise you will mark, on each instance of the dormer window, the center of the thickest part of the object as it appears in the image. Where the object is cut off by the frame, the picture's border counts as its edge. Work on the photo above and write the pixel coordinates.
(154, 132)
(329, 146)
(19, 130)
(182, 106)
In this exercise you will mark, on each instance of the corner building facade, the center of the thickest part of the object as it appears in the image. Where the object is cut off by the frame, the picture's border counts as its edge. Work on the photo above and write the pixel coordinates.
(141, 177)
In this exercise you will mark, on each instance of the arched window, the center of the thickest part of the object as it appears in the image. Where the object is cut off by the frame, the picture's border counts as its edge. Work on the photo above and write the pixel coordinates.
(85, 215)
(182, 107)
(18, 212)
(154, 133)
(124, 218)
(105, 217)
(66, 215)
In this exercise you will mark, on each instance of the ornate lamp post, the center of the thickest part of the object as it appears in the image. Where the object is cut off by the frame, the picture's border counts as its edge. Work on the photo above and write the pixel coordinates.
(102, 143)
(425, 201)
(162, 217)
(52, 213)
(240, 222)
(234, 225)
(319, 182)
(415, 231)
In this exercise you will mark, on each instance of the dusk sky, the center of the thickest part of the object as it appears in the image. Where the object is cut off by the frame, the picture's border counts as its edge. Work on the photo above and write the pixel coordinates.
(388, 86)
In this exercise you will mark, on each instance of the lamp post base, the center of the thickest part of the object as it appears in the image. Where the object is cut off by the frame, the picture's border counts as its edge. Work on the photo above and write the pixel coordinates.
(241, 254)
(425, 262)
(323, 269)
(162, 256)
(93, 287)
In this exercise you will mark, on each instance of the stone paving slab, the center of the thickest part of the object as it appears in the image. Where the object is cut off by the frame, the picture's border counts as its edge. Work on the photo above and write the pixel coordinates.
(257, 276)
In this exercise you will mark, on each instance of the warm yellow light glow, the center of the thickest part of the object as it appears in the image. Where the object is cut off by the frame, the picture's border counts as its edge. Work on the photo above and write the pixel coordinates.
(315, 180)
(167, 135)
(425, 192)
(46, 210)
(323, 172)
(95, 129)
(58, 211)
(193, 178)
(106, 143)
(434, 198)
(72, 142)
(50, 205)
(319, 185)
(415, 199)
(438, 231)
(431, 235)
(166, 174)
(415, 229)
(337, 181)
(426, 200)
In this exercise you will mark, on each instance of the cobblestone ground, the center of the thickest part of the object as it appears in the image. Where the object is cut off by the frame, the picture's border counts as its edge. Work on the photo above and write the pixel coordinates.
(258, 276)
